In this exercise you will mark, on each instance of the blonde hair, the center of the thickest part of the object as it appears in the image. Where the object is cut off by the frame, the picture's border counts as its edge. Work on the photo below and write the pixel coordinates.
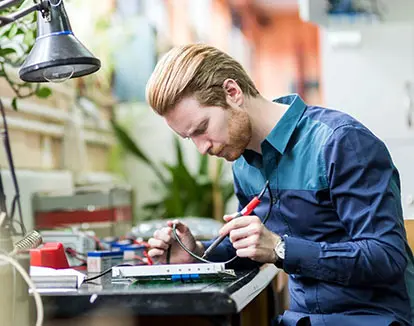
(195, 69)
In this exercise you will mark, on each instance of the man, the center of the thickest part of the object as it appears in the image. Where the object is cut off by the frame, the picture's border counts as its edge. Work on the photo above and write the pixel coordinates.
(336, 223)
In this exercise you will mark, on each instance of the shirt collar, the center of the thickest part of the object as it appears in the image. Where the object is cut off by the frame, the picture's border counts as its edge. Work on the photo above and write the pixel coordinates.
(280, 135)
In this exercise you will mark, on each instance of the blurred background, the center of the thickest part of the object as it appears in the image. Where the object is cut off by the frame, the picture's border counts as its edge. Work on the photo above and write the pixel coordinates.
(64, 138)
(355, 56)
(96, 136)
(91, 155)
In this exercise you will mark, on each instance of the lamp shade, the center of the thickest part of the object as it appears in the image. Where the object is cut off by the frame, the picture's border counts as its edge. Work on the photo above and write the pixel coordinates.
(57, 54)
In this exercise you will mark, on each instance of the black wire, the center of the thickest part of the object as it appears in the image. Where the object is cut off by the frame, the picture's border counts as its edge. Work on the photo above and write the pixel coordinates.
(185, 248)
(168, 256)
(103, 273)
(174, 229)
(97, 276)
(264, 190)
(16, 199)
(269, 210)
(20, 225)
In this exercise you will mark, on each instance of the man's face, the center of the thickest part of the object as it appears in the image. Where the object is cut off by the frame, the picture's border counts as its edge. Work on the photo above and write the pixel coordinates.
(214, 130)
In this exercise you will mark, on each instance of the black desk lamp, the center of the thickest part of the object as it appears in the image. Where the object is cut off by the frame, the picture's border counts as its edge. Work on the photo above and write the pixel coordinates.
(57, 54)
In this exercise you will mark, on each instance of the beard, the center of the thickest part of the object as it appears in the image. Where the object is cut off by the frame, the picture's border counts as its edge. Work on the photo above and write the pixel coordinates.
(240, 134)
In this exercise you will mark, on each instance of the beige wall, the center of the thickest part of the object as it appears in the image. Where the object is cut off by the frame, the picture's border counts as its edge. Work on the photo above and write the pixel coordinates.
(37, 130)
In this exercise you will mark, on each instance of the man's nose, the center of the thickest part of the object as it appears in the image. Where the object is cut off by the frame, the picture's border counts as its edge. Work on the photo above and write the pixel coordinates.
(202, 145)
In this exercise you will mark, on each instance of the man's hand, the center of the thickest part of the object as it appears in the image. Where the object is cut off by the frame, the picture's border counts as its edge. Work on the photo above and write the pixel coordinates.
(164, 237)
(251, 238)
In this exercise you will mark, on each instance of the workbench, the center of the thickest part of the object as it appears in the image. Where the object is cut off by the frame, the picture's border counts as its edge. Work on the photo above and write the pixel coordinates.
(210, 302)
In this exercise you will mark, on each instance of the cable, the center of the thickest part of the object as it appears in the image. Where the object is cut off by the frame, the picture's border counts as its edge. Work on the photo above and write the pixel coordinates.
(103, 273)
(97, 276)
(6, 143)
(168, 255)
(269, 210)
(14, 296)
(185, 248)
(26, 277)
(174, 229)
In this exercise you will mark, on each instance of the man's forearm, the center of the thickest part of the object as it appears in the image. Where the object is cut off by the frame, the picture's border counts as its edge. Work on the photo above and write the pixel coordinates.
(349, 263)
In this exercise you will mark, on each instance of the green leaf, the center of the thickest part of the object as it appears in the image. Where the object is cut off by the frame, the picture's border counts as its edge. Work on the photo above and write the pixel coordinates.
(29, 38)
(43, 92)
(6, 51)
(203, 165)
(13, 31)
(34, 18)
(14, 103)
(178, 150)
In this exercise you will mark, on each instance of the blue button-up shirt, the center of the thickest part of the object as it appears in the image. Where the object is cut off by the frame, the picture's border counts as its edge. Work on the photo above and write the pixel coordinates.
(337, 203)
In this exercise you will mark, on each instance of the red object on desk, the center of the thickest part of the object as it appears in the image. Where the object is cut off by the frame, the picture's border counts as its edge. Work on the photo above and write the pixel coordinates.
(52, 254)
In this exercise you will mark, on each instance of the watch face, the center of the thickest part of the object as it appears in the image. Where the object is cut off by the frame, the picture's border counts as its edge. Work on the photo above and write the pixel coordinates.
(280, 250)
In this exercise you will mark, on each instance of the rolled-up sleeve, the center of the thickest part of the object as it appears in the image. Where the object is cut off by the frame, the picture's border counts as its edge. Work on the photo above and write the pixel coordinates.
(365, 192)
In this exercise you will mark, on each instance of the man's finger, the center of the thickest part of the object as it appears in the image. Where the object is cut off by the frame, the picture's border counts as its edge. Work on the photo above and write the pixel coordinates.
(241, 233)
(249, 252)
(250, 241)
(235, 224)
(157, 243)
(181, 227)
(163, 234)
(156, 252)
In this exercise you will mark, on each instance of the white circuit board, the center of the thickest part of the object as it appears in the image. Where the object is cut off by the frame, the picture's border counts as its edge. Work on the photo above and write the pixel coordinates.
(169, 270)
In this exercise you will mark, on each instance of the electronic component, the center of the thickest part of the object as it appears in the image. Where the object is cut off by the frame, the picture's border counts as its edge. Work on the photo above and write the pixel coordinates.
(52, 254)
(99, 262)
(173, 270)
(81, 242)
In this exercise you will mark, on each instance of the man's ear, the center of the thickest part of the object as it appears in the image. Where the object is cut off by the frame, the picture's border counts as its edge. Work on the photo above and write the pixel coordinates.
(233, 91)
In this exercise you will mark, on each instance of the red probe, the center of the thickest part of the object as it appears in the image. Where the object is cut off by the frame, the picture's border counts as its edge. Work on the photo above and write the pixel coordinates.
(244, 212)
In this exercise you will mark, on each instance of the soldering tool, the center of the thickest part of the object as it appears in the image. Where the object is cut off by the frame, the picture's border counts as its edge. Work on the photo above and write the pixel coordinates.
(244, 212)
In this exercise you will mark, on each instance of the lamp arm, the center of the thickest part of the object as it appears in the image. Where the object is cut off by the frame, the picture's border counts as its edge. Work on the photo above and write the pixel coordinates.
(5, 20)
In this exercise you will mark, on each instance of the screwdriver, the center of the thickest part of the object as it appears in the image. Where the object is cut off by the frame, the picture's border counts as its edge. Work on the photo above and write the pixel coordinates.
(244, 212)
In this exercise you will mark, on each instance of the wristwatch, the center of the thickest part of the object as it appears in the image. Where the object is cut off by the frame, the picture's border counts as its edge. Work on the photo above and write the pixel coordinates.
(280, 252)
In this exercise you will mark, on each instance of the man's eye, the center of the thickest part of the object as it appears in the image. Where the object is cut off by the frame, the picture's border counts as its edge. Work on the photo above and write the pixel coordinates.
(197, 132)
(200, 131)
